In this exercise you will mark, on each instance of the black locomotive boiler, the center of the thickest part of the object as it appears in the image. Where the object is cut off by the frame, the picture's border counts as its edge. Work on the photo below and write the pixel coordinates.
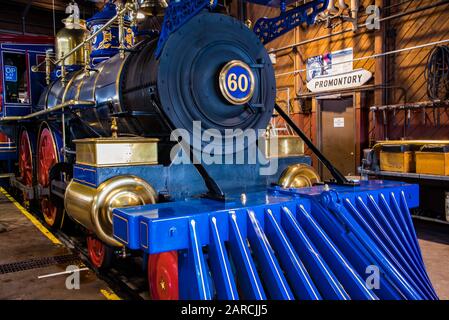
(99, 136)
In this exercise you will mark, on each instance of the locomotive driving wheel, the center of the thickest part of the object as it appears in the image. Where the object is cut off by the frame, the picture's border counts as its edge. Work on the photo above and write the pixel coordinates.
(47, 158)
(25, 163)
(163, 276)
(100, 254)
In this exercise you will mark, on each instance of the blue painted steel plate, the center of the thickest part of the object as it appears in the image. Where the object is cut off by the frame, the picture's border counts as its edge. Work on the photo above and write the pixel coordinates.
(312, 243)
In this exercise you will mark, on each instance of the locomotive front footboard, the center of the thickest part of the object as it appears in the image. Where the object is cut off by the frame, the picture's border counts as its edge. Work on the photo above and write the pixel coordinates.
(324, 242)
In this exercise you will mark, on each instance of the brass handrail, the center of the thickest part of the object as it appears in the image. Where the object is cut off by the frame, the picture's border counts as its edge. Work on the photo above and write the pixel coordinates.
(66, 104)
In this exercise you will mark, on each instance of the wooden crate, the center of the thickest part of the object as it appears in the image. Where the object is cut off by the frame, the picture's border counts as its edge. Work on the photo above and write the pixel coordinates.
(397, 161)
(436, 163)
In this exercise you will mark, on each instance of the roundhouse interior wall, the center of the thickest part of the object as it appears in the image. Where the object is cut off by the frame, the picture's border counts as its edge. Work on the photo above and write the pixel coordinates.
(403, 71)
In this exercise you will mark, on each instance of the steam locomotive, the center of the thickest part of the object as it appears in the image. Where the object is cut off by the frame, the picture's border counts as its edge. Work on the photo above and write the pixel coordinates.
(97, 147)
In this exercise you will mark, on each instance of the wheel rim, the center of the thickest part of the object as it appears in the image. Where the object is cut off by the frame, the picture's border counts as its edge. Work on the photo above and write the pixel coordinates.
(163, 276)
(25, 160)
(47, 158)
(96, 250)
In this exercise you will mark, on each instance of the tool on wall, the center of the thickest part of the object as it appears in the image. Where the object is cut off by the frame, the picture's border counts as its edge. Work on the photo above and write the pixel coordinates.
(424, 108)
(437, 73)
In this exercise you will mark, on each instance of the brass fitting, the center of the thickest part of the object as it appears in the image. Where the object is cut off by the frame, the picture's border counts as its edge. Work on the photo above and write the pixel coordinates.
(47, 67)
(114, 128)
(121, 26)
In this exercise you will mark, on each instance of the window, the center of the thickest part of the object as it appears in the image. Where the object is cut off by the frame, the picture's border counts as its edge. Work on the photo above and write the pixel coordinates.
(15, 74)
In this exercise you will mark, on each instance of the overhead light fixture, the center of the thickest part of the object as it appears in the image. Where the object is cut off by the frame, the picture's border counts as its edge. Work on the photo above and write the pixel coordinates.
(140, 15)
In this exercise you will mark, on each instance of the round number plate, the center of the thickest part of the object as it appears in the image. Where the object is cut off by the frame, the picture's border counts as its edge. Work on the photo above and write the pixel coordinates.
(237, 82)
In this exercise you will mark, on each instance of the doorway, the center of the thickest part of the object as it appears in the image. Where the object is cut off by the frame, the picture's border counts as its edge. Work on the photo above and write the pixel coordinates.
(337, 132)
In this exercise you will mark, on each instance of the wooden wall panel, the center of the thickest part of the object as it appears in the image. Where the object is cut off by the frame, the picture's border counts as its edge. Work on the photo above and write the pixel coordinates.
(405, 70)
(39, 17)
(295, 59)
(409, 72)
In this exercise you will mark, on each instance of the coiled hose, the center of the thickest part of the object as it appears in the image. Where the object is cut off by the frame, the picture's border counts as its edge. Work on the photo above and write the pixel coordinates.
(437, 73)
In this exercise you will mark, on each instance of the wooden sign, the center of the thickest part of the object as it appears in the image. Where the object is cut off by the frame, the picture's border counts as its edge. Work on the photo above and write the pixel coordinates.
(347, 80)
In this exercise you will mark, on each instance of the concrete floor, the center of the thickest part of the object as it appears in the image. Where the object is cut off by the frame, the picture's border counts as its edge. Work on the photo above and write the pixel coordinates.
(434, 243)
(22, 241)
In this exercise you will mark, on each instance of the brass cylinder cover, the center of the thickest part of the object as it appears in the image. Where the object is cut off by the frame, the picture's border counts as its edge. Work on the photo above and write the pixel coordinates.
(92, 207)
(66, 40)
(298, 176)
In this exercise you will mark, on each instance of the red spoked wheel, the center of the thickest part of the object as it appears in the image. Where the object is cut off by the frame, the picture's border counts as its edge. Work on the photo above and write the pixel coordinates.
(47, 158)
(163, 276)
(100, 254)
(25, 161)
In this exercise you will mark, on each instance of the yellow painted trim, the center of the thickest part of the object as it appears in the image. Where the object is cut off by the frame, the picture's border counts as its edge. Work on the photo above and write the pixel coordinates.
(117, 164)
(109, 294)
(30, 217)
(85, 169)
(85, 182)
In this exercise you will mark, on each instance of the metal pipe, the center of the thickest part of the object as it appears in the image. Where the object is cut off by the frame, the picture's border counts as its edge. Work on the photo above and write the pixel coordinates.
(273, 119)
(86, 59)
(338, 176)
(63, 135)
(301, 43)
(48, 65)
(342, 5)
(355, 11)
(331, 7)
(61, 106)
(121, 36)
(6, 175)
(24, 14)
(373, 56)
(63, 72)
